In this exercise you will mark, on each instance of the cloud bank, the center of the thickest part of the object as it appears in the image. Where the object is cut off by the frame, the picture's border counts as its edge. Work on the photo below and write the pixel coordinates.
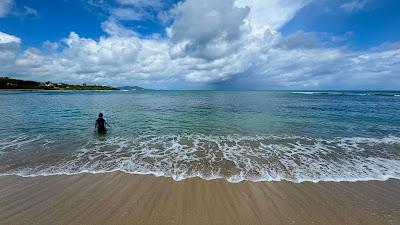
(224, 44)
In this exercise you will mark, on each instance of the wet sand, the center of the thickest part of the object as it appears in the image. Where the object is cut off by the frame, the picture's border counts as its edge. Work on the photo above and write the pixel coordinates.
(118, 198)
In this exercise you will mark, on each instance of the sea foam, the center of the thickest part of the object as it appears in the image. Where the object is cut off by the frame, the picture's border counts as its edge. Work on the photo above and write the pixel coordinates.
(234, 158)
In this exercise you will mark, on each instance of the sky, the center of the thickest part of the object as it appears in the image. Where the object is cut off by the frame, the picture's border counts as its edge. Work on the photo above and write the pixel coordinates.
(204, 44)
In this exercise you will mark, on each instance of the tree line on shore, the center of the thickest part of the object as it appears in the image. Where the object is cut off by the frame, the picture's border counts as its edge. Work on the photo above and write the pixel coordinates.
(9, 83)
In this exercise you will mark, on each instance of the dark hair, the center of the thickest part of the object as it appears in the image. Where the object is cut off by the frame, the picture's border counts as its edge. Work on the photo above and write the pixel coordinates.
(100, 114)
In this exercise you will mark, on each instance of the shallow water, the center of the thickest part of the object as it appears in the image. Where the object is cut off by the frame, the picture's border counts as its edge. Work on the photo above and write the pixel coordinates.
(236, 135)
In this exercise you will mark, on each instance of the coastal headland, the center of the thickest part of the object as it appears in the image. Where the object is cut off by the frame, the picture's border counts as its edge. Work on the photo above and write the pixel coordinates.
(9, 84)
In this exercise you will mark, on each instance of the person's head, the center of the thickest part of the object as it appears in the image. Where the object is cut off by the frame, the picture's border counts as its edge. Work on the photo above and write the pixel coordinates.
(100, 115)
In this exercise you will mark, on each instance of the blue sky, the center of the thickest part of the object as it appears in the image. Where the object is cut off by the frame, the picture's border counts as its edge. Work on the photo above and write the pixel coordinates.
(56, 19)
(376, 23)
(191, 44)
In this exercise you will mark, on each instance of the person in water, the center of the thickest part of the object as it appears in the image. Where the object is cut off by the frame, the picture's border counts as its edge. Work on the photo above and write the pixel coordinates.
(101, 123)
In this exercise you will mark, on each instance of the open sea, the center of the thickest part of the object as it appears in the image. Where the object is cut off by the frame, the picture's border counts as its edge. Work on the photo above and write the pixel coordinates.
(234, 135)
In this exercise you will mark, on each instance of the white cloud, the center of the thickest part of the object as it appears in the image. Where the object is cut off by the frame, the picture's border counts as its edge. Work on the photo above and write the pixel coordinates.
(299, 39)
(5, 7)
(270, 14)
(7, 38)
(355, 5)
(10, 7)
(207, 29)
(127, 14)
(9, 42)
(157, 4)
(9, 46)
(30, 11)
(50, 46)
(114, 28)
(341, 38)
(210, 43)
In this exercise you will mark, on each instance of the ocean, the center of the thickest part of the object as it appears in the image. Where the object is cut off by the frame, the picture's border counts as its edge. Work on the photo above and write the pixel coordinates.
(234, 135)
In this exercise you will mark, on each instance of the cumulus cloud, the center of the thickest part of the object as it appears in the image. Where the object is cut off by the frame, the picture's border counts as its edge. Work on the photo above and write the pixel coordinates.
(9, 42)
(50, 46)
(7, 39)
(270, 14)
(207, 29)
(210, 44)
(9, 46)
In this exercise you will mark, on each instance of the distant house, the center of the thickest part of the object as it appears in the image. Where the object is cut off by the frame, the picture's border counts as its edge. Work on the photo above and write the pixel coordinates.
(48, 84)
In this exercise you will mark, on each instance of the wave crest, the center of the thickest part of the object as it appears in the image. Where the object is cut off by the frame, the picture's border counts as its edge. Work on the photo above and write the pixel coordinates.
(235, 158)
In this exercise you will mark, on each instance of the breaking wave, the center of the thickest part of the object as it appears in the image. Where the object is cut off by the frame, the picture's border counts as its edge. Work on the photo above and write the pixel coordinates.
(386, 94)
(234, 158)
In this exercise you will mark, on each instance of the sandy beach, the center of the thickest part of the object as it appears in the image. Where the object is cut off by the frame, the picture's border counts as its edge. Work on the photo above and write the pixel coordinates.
(118, 198)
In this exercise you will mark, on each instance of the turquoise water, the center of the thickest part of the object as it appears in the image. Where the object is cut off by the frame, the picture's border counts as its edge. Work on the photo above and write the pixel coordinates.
(236, 135)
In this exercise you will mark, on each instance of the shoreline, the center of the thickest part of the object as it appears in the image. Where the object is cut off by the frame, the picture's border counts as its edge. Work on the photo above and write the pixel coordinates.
(213, 178)
(31, 90)
(3, 90)
(119, 198)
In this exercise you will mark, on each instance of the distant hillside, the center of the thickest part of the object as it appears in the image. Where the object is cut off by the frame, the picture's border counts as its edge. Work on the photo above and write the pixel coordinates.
(132, 88)
(9, 83)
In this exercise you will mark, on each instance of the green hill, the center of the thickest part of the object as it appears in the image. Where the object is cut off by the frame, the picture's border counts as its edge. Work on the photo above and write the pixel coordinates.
(132, 88)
